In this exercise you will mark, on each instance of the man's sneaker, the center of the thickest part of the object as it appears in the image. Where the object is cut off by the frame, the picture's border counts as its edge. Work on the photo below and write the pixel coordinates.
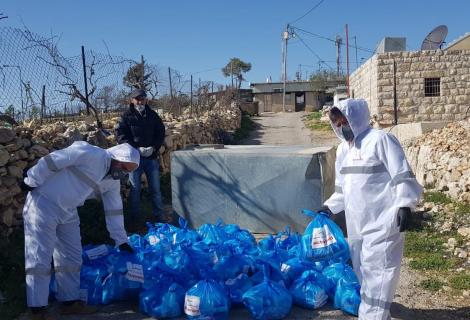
(77, 307)
(42, 315)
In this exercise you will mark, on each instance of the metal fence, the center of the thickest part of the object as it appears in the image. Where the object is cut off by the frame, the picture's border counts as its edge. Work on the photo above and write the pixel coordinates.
(37, 81)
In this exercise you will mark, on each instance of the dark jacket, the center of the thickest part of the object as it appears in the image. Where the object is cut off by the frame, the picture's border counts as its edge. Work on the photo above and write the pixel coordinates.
(141, 130)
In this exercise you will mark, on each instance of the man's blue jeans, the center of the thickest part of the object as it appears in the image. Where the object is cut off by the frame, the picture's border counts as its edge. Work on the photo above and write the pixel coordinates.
(151, 167)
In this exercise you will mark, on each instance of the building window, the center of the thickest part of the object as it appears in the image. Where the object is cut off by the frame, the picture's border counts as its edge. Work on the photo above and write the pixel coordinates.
(432, 87)
(277, 90)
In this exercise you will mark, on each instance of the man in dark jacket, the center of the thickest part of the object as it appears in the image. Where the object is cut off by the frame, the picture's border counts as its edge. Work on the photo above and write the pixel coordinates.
(142, 128)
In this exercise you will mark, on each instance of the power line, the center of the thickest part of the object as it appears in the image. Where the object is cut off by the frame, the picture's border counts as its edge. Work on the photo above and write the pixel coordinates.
(332, 40)
(305, 14)
(311, 50)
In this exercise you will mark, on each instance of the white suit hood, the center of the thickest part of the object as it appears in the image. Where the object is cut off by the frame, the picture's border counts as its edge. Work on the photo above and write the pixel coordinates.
(125, 153)
(357, 113)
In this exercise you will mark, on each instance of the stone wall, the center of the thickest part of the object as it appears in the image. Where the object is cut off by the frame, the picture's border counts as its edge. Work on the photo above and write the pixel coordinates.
(363, 83)
(22, 147)
(440, 159)
(376, 75)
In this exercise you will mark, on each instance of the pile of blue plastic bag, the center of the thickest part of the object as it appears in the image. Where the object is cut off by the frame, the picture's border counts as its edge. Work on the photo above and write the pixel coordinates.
(203, 273)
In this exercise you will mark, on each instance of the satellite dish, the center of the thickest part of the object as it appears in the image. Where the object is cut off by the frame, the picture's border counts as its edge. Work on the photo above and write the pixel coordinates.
(435, 38)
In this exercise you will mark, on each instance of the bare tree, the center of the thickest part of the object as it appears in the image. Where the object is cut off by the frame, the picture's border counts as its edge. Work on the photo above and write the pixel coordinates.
(69, 75)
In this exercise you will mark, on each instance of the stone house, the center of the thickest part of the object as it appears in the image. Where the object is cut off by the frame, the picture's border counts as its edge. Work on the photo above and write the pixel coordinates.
(416, 86)
(300, 96)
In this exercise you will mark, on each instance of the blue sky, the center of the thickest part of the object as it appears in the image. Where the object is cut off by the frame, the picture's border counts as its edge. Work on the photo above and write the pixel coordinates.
(192, 36)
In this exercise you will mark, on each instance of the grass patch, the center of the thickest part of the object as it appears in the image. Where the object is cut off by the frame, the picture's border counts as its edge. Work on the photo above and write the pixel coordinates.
(460, 282)
(427, 251)
(312, 121)
(437, 197)
(246, 127)
(431, 284)
(432, 261)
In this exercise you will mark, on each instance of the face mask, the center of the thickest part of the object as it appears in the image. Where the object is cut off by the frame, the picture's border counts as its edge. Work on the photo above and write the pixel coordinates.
(347, 132)
(117, 173)
(140, 108)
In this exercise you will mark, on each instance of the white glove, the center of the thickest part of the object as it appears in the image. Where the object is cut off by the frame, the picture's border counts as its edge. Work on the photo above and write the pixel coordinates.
(146, 151)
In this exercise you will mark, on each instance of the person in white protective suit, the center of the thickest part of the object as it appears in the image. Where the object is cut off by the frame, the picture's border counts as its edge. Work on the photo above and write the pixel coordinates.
(59, 183)
(377, 189)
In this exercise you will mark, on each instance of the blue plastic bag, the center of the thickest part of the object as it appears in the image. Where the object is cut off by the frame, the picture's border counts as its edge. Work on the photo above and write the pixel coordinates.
(348, 296)
(212, 234)
(293, 268)
(323, 239)
(309, 290)
(207, 300)
(185, 235)
(237, 287)
(163, 299)
(91, 283)
(268, 300)
(338, 271)
(232, 266)
(125, 278)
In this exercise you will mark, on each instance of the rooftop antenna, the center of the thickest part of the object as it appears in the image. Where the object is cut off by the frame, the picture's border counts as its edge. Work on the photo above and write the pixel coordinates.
(435, 39)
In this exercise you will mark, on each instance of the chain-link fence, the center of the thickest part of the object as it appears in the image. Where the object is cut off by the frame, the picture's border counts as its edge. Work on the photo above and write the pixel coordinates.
(37, 81)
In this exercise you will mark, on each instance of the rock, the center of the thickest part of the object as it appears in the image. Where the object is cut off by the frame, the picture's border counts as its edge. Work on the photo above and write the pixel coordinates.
(6, 135)
(464, 231)
(38, 150)
(15, 171)
(4, 157)
(462, 254)
(6, 216)
(451, 242)
(9, 181)
(73, 134)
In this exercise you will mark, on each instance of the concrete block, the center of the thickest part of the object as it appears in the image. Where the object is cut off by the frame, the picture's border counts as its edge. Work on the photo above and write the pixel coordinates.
(260, 188)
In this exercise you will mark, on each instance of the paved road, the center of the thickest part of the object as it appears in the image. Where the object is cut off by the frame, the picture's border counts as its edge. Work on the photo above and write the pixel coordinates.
(287, 129)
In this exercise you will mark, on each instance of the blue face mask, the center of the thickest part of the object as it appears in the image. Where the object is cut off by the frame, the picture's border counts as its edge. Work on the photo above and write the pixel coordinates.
(347, 132)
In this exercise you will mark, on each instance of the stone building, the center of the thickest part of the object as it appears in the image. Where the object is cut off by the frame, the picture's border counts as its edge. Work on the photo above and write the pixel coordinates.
(421, 86)
(300, 96)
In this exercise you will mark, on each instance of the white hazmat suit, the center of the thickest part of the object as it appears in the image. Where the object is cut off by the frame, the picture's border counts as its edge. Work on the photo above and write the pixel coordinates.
(63, 180)
(373, 180)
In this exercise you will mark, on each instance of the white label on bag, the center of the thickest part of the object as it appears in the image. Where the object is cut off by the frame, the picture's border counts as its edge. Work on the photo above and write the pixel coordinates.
(285, 267)
(135, 272)
(97, 252)
(153, 240)
(322, 237)
(84, 295)
(191, 306)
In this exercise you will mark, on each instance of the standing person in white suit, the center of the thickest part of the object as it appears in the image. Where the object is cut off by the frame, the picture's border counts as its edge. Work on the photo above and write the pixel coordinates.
(58, 184)
(377, 189)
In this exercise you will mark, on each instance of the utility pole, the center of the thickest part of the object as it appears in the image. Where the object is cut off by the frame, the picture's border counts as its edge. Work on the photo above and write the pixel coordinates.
(86, 82)
(355, 46)
(338, 43)
(347, 61)
(231, 71)
(285, 37)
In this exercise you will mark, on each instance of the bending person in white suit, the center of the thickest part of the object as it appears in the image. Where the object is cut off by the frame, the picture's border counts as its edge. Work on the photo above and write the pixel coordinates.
(377, 190)
(58, 184)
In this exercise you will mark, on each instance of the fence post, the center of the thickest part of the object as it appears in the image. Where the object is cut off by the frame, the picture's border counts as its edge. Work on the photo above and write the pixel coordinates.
(43, 102)
(86, 82)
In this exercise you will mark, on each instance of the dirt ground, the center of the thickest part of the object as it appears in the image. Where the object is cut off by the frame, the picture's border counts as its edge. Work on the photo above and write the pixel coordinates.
(411, 301)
